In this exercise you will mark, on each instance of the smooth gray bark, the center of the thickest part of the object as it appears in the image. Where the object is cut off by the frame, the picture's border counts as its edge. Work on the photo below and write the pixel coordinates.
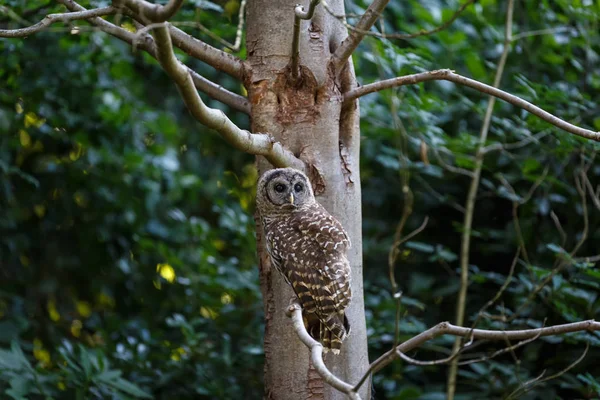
(307, 117)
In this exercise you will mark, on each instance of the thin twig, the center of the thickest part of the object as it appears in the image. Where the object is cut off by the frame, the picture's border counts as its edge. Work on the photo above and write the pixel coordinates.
(422, 363)
(451, 168)
(536, 381)
(54, 18)
(500, 291)
(581, 189)
(516, 145)
(510, 348)
(449, 75)
(147, 44)
(440, 197)
(519, 202)
(563, 234)
(595, 198)
(236, 45)
(540, 32)
(446, 328)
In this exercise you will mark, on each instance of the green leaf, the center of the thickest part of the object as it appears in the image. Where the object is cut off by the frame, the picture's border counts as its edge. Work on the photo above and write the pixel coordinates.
(531, 165)
(129, 388)
(555, 248)
(420, 246)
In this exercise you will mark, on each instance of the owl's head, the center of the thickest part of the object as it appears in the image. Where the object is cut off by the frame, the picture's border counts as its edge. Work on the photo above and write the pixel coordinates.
(283, 189)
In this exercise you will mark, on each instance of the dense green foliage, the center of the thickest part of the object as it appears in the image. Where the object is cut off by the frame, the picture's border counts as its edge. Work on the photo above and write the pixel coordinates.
(127, 251)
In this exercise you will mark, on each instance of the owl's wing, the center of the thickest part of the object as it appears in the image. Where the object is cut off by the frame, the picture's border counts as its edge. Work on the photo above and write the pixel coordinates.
(324, 274)
(323, 288)
(324, 229)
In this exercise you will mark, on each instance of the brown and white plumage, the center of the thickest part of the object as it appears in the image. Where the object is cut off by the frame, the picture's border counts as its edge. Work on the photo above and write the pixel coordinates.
(308, 247)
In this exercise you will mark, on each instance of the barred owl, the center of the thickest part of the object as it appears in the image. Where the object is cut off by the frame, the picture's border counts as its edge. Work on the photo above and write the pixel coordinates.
(308, 247)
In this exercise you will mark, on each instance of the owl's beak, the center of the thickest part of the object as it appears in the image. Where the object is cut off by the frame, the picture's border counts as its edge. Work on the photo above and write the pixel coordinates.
(291, 198)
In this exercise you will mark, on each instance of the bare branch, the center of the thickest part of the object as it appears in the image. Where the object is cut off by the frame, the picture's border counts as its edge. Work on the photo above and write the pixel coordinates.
(590, 188)
(500, 291)
(446, 328)
(446, 360)
(534, 382)
(559, 227)
(510, 348)
(540, 32)
(300, 15)
(581, 189)
(214, 57)
(151, 11)
(519, 202)
(221, 94)
(414, 233)
(451, 168)
(341, 55)
(294, 311)
(53, 18)
(258, 144)
(516, 145)
(449, 75)
(240, 28)
(440, 197)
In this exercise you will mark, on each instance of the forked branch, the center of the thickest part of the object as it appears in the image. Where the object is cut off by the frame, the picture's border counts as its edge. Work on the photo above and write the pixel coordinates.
(294, 311)
(146, 43)
(449, 75)
(446, 328)
(257, 143)
(190, 45)
(138, 41)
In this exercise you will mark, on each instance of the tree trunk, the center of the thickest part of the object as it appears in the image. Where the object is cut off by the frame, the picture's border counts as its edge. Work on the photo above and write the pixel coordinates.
(306, 116)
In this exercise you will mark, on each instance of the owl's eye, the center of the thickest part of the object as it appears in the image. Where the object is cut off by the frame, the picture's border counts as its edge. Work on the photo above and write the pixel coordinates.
(298, 187)
(279, 188)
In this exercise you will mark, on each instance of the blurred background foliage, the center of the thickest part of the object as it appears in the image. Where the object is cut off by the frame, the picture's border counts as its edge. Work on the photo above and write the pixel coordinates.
(127, 250)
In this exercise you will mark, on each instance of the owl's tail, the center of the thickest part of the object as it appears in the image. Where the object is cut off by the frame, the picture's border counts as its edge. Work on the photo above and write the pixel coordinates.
(330, 332)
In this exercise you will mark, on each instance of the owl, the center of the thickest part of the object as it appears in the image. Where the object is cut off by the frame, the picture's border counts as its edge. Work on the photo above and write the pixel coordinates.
(308, 247)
